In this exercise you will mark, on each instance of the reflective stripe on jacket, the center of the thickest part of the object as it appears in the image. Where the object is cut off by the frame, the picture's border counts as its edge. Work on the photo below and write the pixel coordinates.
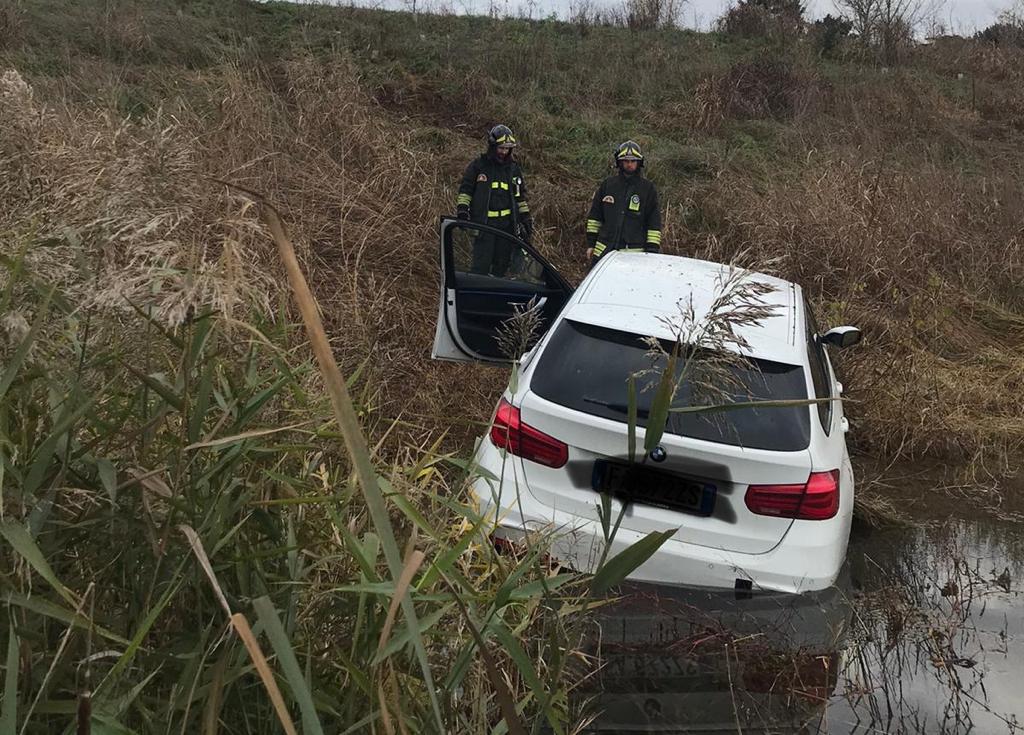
(494, 192)
(624, 214)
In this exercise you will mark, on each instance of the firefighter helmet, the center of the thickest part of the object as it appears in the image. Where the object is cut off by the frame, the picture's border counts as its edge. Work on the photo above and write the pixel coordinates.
(500, 135)
(629, 151)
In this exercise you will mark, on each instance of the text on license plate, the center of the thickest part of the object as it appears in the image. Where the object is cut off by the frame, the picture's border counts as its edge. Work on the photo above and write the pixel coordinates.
(638, 484)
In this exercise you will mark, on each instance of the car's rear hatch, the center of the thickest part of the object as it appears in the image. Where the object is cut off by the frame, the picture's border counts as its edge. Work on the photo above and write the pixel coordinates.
(729, 469)
(578, 395)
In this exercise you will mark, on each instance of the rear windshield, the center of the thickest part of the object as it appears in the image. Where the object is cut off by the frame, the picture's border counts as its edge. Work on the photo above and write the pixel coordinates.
(586, 368)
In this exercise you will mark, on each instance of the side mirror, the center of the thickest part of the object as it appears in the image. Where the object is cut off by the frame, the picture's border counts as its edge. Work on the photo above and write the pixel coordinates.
(841, 337)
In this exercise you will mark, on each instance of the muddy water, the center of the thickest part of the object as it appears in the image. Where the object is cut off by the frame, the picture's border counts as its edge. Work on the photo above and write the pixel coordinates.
(937, 642)
(924, 634)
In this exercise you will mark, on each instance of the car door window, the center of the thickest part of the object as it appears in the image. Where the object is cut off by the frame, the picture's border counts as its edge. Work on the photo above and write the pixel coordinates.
(819, 369)
(490, 254)
(490, 278)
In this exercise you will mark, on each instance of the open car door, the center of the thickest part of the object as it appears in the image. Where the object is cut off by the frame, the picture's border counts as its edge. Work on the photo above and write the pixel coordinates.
(487, 278)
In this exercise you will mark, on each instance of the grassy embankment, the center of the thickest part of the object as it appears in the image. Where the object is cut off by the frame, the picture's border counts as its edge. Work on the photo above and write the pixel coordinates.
(894, 197)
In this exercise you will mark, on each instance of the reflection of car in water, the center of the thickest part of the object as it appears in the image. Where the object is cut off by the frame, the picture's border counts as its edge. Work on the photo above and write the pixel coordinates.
(759, 497)
(674, 660)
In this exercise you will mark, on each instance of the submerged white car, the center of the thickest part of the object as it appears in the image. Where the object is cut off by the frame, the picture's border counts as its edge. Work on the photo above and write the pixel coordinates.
(761, 497)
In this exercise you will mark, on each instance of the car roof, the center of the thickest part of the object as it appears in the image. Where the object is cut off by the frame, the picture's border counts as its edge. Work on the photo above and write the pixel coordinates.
(639, 292)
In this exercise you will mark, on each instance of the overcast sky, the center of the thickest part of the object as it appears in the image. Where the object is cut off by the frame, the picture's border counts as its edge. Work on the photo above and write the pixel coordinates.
(958, 16)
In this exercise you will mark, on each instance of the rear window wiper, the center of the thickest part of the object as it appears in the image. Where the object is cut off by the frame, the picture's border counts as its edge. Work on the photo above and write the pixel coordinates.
(617, 407)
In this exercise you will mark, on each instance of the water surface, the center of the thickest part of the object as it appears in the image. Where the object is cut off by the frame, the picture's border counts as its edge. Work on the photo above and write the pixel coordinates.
(924, 634)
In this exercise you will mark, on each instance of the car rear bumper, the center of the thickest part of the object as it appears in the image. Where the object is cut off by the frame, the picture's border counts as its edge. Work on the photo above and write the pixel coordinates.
(808, 558)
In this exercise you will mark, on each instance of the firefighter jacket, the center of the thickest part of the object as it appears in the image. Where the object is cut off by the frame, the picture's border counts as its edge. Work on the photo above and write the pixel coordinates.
(495, 193)
(624, 214)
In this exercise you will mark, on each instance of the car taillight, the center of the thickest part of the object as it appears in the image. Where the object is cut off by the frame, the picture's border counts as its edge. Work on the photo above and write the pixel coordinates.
(815, 500)
(522, 440)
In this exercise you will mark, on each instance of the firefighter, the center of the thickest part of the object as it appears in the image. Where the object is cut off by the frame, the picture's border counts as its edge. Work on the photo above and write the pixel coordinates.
(493, 193)
(624, 214)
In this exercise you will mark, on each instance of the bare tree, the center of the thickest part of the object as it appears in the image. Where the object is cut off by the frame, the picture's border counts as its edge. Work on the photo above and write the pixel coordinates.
(862, 14)
(582, 14)
(650, 14)
(888, 26)
(897, 20)
(1008, 30)
(1013, 15)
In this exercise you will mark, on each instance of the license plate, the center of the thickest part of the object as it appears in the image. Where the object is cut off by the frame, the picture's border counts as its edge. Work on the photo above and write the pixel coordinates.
(639, 484)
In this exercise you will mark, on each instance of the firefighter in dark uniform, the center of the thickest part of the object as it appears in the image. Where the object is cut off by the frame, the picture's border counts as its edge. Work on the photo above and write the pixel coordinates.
(624, 214)
(493, 193)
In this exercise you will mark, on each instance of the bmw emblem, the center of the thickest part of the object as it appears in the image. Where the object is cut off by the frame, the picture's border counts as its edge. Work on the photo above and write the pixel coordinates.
(658, 454)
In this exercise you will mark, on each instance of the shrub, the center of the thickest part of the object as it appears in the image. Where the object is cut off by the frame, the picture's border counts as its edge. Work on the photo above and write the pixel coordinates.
(1003, 34)
(778, 19)
(645, 15)
(829, 32)
(11, 23)
(744, 21)
(763, 88)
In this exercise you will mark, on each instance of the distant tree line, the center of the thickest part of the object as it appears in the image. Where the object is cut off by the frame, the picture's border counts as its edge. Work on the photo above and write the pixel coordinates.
(882, 28)
(1008, 30)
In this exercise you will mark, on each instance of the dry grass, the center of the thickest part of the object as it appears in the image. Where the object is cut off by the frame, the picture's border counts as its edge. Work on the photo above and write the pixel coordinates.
(364, 197)
(888, 196)
(138, 197)
(927, 264)
(762, 88)
(900, 215)
(125, 217)
(890, 199)
(129, 197)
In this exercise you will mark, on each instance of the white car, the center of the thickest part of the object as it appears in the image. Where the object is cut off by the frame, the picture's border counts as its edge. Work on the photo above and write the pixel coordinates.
(762, 497)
